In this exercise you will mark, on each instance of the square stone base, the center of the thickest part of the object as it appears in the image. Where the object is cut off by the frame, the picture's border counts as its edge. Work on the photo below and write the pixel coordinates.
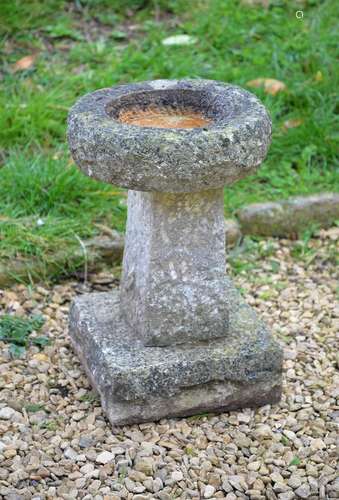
(139, 384)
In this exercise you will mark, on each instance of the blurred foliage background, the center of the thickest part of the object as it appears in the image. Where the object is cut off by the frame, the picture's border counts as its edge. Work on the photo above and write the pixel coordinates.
(55, 51)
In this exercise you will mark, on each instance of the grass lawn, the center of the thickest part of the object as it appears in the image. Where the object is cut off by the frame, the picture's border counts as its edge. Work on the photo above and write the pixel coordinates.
(78, 46)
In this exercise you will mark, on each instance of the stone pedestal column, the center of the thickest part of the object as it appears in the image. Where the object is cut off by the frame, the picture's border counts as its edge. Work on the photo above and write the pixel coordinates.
(176, 338)
(173, 286)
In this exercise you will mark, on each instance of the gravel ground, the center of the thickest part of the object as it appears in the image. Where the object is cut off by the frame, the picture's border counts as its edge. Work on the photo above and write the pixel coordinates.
(66, 449)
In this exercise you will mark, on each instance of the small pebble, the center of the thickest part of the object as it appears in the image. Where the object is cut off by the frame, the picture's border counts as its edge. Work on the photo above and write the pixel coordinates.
(104, 458)
(209, 491)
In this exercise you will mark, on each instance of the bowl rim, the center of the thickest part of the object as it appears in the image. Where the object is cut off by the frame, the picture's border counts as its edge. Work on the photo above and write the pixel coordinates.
(170, 159)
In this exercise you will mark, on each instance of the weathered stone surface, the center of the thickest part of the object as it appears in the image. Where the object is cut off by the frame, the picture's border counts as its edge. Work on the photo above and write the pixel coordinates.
(232, 232)
(231, 146)
(173, 281)
(285, 217)
(138, 383)
(177, 339)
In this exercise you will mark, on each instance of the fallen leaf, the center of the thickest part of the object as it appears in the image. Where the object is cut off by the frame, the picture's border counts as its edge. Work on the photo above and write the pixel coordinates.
(293, 123)
(179, 40)
(41, 357)
(318, 76)
(270, 85)
(24, 63)
(253, 3)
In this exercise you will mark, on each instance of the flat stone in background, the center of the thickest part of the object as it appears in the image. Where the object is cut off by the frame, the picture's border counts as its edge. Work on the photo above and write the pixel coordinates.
(286, 217)
(98, 251)
(232, 232)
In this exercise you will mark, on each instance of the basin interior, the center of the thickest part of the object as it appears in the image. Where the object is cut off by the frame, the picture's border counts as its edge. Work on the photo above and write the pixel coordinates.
(167, 108)
(163, 118)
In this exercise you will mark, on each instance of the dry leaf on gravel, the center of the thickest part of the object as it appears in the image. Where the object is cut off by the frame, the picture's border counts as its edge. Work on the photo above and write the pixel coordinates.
(293, 123)
(40, 356)
(271, 86)
(24, 63)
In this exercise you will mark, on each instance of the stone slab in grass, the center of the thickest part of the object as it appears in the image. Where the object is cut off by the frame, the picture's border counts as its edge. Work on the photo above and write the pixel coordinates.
(97, 251)
(287, 217)
(138, 383)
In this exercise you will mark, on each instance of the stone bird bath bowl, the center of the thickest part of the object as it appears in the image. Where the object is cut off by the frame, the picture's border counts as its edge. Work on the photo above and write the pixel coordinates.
(177, 339)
